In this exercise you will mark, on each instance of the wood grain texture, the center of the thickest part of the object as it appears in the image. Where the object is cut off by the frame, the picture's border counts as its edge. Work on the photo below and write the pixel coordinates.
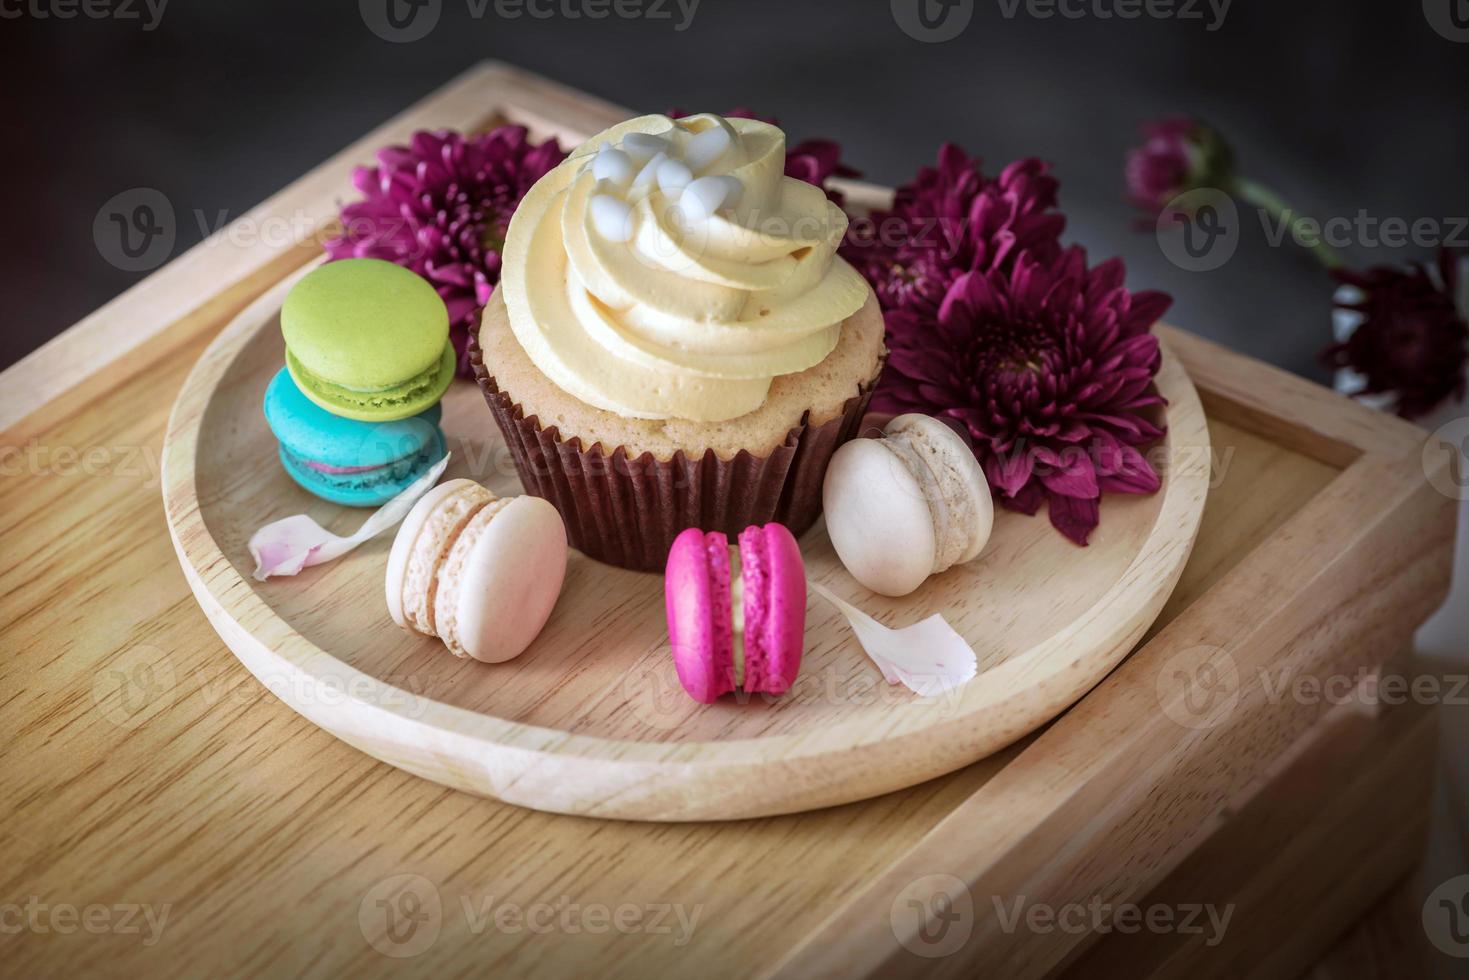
(1385, 944)
(140, 763)
(265, 834)
(1353, 799)
(1291, 411)
(591, 719)
(1285, 611)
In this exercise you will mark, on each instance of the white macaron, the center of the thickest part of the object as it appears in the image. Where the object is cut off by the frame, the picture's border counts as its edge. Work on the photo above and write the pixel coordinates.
(479, 572)
(908, 505)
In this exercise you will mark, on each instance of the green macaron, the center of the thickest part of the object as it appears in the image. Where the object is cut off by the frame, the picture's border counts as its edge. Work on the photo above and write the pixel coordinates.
(368, 340)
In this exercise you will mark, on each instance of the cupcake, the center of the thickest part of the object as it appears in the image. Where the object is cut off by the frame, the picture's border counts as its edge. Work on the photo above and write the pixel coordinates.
(675, 342)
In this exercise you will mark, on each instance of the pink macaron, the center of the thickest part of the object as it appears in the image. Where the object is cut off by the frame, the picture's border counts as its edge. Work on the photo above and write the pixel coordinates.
(736, 616)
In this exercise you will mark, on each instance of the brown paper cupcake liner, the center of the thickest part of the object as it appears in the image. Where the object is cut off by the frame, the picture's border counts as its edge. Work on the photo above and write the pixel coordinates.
(626, 511)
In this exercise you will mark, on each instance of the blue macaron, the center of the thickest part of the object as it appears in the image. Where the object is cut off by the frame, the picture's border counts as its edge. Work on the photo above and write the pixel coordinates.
(359, 464)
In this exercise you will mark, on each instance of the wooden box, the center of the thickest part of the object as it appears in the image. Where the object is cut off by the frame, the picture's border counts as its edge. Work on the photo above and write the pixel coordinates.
(145, 769)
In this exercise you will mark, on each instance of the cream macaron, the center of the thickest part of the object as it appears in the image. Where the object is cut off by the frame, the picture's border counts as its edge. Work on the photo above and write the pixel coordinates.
(908, 505)
(479, 572)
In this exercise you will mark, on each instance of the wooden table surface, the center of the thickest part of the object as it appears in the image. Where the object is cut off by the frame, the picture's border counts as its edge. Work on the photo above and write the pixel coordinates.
(164, 812)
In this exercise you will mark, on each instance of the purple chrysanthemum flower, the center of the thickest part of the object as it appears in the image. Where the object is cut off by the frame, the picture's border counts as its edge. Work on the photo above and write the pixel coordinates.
(1178, 154)
(1046, 363)
(1049, 367)
(1412, 337)
(951, 219)
(441, 206)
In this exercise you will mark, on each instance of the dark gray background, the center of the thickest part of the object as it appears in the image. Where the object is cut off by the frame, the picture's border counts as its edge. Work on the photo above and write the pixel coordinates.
(1338, 106)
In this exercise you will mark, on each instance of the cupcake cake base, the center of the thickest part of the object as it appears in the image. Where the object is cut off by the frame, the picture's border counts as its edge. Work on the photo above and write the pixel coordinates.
(626, 506)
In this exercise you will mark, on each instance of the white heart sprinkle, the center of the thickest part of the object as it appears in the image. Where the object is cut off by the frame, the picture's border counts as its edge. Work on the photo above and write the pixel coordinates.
(612, 217)
(707, 147)
(649, 173)
(708, 194)
(613, 165)
(673, 176)
(642, 147)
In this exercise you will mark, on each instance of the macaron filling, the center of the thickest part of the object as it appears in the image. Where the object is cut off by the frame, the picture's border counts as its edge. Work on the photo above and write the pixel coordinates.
(450, 572)
(347, 478)
(950, 507)
(737, 614)
(429, 551)
(330, 470)
(427, 385)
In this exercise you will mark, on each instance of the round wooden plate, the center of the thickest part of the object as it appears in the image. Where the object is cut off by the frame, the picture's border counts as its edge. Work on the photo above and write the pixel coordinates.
(591, 720)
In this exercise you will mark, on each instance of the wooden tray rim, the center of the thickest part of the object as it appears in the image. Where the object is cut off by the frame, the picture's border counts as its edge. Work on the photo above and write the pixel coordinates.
(243, 617)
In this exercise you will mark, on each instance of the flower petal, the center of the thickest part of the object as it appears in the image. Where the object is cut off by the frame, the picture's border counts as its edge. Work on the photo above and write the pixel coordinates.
(1075, 517)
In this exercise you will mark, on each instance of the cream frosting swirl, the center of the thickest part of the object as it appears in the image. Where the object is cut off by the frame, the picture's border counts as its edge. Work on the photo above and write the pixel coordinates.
(671, 269)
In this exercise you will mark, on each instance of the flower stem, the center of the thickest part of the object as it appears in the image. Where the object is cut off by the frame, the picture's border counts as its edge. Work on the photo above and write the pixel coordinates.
(1271, 203)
